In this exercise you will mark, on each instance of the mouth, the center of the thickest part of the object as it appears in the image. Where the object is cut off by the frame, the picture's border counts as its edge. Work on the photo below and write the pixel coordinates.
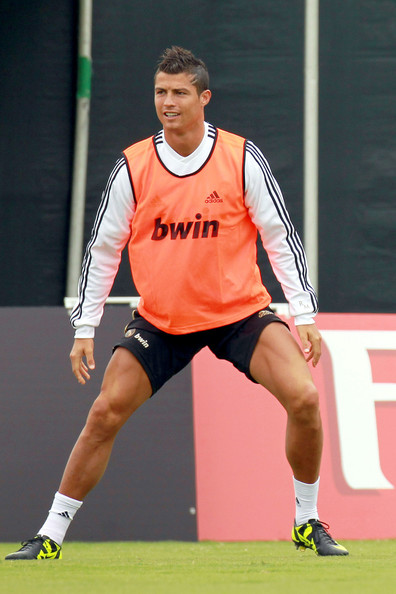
(170, 114)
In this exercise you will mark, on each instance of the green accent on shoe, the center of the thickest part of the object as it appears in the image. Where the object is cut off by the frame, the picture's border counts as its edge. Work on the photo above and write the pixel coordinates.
(39, 547)
(315, 535)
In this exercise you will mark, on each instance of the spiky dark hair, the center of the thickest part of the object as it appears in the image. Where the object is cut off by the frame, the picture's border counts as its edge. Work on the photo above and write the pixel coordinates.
(176, 59)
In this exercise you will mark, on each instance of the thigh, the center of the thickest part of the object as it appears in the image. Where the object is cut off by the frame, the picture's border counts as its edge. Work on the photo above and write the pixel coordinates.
(279, 365)
(125, 385)
(160, 354)
(236, 342)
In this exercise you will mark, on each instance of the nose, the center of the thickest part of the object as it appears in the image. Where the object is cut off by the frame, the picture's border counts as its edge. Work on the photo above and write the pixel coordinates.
(168, 99)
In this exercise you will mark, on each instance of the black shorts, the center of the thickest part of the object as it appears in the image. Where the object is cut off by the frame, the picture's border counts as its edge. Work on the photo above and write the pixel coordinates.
(162, 355)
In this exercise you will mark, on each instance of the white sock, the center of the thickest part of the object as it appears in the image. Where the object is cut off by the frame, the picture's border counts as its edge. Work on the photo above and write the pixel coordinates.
(306, 501)
(59, 518)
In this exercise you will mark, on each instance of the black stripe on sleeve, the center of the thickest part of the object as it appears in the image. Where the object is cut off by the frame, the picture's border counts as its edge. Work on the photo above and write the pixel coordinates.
(292, 237)
(82, 286)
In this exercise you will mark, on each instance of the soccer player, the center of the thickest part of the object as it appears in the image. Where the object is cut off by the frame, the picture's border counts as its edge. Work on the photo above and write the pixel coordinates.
(189, 201)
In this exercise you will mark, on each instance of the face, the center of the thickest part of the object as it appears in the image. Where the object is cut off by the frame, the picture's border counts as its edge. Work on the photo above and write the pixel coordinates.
(179, 107)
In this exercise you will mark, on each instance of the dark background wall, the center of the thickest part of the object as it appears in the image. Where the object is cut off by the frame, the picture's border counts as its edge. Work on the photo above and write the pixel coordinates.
(37, 88)
(358, 155)
(254, 51)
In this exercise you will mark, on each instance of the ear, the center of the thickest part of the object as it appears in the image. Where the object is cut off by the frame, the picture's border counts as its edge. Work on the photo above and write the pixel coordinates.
(205, 97)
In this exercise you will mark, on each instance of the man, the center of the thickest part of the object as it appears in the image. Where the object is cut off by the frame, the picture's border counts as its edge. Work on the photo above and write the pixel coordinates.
(190, 201)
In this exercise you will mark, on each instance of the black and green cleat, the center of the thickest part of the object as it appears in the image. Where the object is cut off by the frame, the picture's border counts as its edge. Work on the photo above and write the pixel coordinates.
(39, 547)
(314, 535)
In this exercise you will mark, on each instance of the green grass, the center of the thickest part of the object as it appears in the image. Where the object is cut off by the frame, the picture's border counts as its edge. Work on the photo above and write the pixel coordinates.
(206, 567)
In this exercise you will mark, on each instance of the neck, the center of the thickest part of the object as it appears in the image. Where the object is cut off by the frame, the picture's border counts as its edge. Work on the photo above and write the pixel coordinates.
(185, 143)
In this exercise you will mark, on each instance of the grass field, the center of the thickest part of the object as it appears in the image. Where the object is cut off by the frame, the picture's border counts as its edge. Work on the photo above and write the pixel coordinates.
(207, 568)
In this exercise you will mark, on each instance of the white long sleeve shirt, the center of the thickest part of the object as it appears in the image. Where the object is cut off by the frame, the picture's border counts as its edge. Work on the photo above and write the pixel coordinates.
(266, 207)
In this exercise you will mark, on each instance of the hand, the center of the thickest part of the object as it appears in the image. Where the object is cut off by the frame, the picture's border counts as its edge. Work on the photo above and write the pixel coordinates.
(311, 342)
(82, 347)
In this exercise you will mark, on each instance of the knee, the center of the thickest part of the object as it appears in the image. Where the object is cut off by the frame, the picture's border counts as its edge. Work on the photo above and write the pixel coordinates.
(304, 406)
(104, 419)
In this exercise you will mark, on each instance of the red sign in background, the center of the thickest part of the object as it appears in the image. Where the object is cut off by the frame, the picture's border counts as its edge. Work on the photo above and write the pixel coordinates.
(243, 481)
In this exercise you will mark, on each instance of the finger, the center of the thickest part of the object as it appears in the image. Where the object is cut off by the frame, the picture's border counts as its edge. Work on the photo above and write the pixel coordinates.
(316, 357)
(308, 352)
(79, 368)
(306, 347)
(84, 371)
(79, 373)
(78, 376)
(91, 361)
(316, 352)
(90, 358)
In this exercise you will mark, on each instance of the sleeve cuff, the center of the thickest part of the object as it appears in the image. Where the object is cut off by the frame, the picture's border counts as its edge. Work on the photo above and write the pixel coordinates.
(85, 332)
(303, 319)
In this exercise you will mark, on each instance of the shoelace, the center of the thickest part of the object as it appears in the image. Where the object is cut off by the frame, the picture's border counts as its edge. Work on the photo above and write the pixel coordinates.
(25, 543)
(324, 528)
